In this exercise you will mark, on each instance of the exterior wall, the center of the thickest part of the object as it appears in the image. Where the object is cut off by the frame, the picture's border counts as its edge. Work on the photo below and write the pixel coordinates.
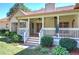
(69, 19)
(49, 22)
(77, 21)
(14, 20)
(4, 23)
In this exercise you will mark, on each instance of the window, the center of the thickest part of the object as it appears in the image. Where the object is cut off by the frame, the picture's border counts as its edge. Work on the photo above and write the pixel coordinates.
(64, 24)
(22, 24)
(6, 25)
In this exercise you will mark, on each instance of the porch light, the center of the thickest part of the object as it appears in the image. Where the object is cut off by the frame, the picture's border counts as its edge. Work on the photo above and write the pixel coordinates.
(39, 19)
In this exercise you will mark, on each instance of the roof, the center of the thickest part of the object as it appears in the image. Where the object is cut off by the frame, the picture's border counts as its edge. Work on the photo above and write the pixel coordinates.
(43, 11)
(4, 21)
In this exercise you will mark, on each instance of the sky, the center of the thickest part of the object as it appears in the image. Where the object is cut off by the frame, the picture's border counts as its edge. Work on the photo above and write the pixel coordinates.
(5, 7)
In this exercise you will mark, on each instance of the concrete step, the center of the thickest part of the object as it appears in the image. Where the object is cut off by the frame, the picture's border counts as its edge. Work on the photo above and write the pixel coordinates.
(32, 41)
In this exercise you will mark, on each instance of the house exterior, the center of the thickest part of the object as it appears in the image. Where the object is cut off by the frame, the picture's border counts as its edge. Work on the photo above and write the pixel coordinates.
(4, 23)
(60, 22)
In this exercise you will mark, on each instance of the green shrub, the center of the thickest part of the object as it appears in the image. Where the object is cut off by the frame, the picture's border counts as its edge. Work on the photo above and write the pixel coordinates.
(38, 48)
(58, 50)
(3, 40)
(2, 32)
(67, 43)
(44, 50)
(16, 38)
(12, 33)
(6, 33)
(46, 41)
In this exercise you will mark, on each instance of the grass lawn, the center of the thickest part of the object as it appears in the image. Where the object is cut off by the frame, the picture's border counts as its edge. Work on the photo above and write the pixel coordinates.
(9, 49)
(13, 49)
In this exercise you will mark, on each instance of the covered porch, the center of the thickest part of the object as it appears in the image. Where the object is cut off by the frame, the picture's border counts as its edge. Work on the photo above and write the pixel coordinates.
(61, 25)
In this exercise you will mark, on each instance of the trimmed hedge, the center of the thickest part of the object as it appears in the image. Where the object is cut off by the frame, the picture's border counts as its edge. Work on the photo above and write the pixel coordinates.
(58, 50)
(46, 41)
(68, 43)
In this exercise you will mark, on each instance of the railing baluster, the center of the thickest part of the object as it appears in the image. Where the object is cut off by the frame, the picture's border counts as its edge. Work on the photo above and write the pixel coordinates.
(63, 32)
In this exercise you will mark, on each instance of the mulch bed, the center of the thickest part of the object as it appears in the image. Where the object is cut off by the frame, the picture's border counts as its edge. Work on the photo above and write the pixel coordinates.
(75, 52)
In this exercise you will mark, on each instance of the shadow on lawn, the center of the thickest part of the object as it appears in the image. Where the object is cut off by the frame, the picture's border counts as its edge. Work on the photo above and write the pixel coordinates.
(31, 52)
(28, 52)
(6, 40)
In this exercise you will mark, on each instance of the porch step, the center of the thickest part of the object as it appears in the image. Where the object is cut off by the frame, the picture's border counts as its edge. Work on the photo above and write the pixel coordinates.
(32, 41)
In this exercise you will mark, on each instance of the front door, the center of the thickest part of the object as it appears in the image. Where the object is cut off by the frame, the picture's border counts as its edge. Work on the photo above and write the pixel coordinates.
(39, 25)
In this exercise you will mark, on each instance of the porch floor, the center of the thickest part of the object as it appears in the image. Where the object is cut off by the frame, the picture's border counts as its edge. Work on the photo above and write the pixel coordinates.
(34, 35)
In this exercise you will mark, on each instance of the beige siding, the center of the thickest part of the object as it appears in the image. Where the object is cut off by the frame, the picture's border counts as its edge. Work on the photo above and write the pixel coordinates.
(69, 19)
(49, 22)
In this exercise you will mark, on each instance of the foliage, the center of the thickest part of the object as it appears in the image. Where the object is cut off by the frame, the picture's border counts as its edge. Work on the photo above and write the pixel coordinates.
(16, 38)
(46, 41)
(6, 33)
(16, 7)
(58, 50)
(10, 36)
(3, 31)
(12, 33)
(44, 50)
(67, 43)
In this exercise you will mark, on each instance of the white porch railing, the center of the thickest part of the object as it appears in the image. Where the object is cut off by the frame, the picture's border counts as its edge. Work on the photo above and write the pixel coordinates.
(40, 35)
(23, 32)
(69, 33)
(63, 32)
(46, 31)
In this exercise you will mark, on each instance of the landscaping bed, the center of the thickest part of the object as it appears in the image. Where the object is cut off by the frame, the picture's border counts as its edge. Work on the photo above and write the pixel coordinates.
(14, 49)
(10, 45)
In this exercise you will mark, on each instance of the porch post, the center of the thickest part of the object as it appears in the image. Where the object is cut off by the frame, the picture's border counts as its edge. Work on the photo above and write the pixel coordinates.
(41, 33)
(10, 26)
(18, 26)
(78, 20)
(42, 22)
(28, 26)
(57, 28)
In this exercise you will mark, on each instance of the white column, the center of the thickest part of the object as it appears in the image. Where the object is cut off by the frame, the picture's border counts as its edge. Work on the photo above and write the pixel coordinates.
(10, 26)
(42, 22)
(18, 26)
(78, 20)
(58, 25)
(28, 26)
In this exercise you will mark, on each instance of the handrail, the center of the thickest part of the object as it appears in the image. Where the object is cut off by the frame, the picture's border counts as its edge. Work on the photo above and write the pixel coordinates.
(25, 36)
(24, 33)
(68, 28)
(40, 35)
